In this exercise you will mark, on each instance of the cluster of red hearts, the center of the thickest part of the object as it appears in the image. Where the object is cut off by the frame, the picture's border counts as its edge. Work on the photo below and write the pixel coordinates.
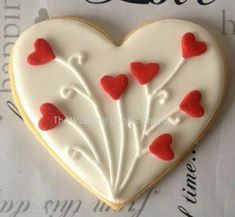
(115, 86)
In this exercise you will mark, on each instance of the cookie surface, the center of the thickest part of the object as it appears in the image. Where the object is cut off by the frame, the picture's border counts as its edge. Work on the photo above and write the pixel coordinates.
(117, 118)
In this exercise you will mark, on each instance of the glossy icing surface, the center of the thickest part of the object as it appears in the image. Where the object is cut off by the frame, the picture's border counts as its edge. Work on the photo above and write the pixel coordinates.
(104, 141)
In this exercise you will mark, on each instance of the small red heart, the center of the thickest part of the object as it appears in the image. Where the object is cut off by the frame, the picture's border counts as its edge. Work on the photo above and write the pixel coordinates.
(191, 104)
(114, 86)
(191, 47)
(144, 72)
(43, 53)
(161, 147)
(52, 116)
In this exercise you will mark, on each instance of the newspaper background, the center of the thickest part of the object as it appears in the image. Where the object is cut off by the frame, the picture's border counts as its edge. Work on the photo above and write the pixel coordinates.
(32, 184)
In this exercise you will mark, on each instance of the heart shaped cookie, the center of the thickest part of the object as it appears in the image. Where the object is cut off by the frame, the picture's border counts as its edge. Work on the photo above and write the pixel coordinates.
(117, 118)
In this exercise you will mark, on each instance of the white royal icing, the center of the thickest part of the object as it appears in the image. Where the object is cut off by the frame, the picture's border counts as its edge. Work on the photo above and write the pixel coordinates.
(110, 151)
(168, 117)
(122, 143)
(67, 92)
(139, 152)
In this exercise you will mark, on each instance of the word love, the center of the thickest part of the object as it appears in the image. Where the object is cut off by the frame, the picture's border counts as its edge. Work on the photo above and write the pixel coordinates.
(156, 2)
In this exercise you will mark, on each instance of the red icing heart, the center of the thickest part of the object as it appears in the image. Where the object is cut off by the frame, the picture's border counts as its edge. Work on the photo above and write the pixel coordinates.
(114, 86)
(43, 53)
(144, 72)
(161, 147)
(191, 47)
(191, 104)
(52, 116)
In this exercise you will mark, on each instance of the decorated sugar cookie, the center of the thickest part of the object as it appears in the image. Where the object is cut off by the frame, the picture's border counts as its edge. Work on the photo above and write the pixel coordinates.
(117, 117)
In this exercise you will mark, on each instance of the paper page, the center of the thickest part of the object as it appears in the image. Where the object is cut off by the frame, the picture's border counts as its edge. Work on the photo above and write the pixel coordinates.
(32, 184)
